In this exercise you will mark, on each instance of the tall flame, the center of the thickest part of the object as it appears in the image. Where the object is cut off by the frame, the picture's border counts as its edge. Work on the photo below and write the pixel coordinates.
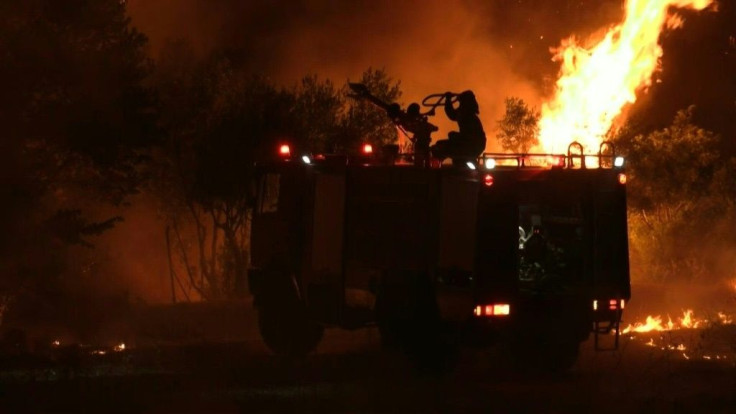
(597, 82)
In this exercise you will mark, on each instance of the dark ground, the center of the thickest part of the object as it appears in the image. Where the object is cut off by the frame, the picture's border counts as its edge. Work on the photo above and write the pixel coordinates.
(350, 373)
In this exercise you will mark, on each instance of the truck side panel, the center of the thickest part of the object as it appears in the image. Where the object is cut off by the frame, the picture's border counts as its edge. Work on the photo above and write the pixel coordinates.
(389, 219)
(611, 241)
(327, 231)
(458, 223)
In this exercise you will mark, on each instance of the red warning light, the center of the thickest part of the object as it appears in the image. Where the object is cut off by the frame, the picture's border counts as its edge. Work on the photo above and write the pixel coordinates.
(492, 309)
(488, 180)
(284, 150)
(501, 309)
(622, 178)
(613, 304)
(367, 149)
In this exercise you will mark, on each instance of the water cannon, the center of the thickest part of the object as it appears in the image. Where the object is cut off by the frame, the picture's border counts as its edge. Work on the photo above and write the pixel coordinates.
(437, 99)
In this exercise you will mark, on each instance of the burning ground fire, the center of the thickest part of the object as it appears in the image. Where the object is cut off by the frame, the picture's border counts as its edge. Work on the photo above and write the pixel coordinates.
(598, 79)
(120, 347)
(687, 321)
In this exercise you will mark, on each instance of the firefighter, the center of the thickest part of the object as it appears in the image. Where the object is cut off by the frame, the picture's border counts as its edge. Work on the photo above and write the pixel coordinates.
(536, 246)
(422, 130)
(413, 121)
(470, 141)
(534, 256)
(522, 237)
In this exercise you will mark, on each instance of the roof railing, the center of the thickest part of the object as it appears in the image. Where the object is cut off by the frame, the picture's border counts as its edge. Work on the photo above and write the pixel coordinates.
(576, 158)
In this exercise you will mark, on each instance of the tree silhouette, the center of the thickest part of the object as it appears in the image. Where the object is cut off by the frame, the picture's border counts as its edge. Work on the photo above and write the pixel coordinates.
(318, 108)
(518, 129)
(673, 164)
(77, 122)
(681, 200)
(364, 122)
(219, 122)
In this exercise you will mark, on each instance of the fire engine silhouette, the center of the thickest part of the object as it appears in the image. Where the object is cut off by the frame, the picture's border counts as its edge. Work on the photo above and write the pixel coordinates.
(528, 251)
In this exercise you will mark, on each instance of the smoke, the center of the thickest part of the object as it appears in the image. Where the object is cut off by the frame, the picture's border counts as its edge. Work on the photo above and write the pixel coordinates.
(431, 46)
(129, 260)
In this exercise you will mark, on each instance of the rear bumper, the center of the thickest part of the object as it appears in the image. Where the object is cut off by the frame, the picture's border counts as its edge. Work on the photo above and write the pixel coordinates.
(566, 317)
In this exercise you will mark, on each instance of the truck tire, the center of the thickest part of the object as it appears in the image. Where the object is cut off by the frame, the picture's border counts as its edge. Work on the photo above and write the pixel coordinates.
(284, 323)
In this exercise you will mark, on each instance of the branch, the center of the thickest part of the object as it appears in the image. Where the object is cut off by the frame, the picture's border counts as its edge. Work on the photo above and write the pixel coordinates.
(185, 257)
(201, 238)
(172, 271)
(213, 249)
(647, 221)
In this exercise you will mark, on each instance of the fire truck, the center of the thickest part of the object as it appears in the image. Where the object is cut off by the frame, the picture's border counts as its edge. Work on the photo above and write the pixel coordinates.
(524, 251)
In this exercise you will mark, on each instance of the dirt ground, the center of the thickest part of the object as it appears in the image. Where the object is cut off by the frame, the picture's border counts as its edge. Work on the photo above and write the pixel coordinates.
(191, 369)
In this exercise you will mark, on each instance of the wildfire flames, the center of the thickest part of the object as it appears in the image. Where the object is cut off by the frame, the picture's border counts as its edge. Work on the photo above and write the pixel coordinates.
(687, 321)
(597, 80)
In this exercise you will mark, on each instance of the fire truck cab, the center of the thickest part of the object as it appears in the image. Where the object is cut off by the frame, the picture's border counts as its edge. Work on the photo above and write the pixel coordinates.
(528, 250)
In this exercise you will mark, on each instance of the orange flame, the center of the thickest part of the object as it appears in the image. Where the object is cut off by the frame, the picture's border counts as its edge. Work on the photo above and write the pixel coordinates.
(687, 321)
(725, 319)
(653, 323)
(597, 82)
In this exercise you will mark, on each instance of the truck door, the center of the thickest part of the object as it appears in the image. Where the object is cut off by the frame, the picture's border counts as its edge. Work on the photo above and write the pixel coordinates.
(277, 228)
